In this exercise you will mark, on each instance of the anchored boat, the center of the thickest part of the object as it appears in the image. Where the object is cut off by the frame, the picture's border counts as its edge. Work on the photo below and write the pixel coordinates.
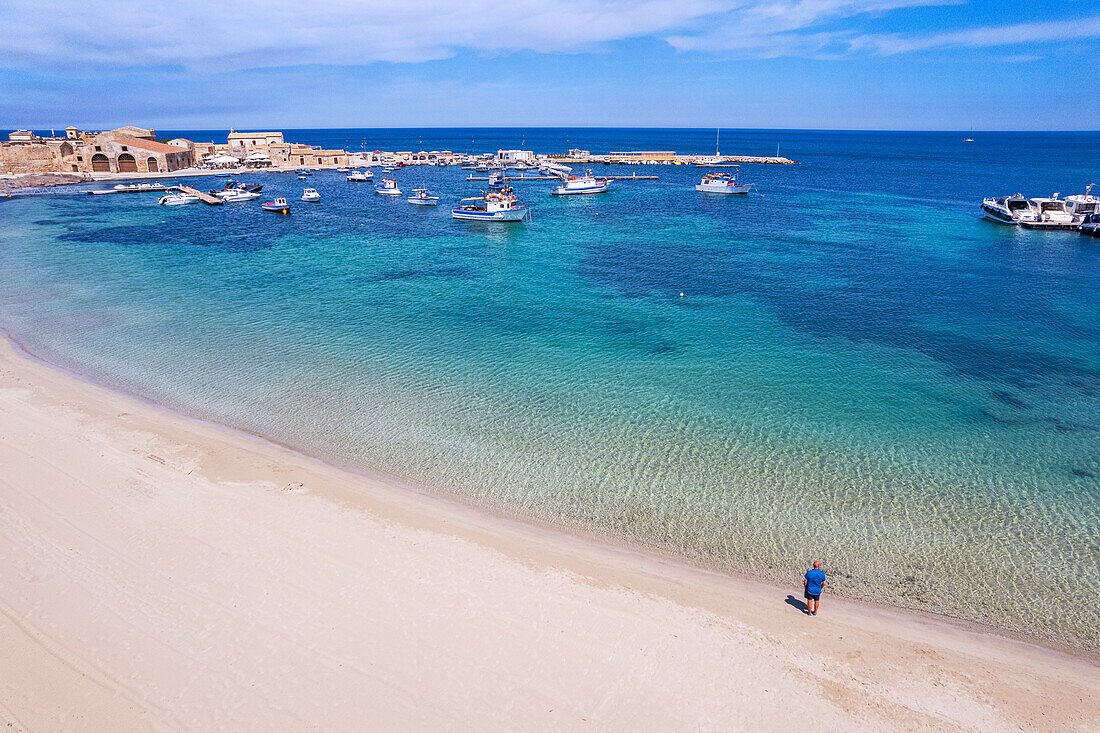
(360, 176)
(278, 206)
(178, 199)
(723, 183)
(422, 198)
(311, 195)
(1013, 209)
(388, 187)
(494, 206)
(580, 184)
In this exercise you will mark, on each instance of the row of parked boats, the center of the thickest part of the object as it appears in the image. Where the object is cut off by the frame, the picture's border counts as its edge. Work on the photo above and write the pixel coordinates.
(1078, 212)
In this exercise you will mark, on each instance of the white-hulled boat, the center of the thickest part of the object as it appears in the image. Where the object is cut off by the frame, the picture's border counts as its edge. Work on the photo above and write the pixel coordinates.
(1013, 209)
(388, 187)
(178, 199)
(1083, 205)
(140, 187)
(360, 176)
(580, 184)
(236, 195)
(1051, 214)
(278, 206)
(723, 183)
(493, 206)
(311, 195)
(422, 198)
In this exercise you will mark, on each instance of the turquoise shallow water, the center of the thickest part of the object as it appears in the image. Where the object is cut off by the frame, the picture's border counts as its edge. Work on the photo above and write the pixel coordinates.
(860, 368)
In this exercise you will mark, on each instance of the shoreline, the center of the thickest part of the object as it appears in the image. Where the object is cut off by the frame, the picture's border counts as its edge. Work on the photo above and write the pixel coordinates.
(494, 515)
(246, 475)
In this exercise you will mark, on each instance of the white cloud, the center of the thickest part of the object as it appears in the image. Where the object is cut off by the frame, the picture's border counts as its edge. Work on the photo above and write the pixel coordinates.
(221, 35)
(259, 33)
(1011, 35)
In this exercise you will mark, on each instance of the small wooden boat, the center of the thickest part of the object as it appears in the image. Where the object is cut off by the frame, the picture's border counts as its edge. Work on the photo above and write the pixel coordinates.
(388, 187)
(278, 206)
(495, 206)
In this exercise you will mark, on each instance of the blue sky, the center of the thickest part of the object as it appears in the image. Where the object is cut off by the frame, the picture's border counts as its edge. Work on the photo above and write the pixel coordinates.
(832, 64)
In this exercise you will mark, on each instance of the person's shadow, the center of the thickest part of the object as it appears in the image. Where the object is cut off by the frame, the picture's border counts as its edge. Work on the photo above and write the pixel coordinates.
(798, 603)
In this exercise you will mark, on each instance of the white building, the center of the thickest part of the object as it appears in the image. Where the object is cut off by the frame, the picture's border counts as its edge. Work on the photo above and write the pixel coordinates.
(513, 155)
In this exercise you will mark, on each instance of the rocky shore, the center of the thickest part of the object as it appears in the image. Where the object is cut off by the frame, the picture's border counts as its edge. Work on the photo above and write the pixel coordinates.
(38, 180)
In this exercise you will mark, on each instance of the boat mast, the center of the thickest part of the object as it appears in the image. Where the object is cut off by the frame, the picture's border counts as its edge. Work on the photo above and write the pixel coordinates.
(717, 132)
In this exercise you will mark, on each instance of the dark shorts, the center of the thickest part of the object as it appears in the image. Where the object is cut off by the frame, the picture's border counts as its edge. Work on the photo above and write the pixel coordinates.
(812, 596)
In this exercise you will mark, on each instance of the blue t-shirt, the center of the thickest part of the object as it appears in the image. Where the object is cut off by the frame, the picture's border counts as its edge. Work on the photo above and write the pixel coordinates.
(814, 580)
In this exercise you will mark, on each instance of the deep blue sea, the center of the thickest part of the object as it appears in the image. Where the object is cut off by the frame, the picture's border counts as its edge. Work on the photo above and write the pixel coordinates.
(860, 369)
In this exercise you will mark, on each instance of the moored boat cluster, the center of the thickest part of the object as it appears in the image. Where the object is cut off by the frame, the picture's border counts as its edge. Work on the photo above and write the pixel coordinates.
(1078, 212)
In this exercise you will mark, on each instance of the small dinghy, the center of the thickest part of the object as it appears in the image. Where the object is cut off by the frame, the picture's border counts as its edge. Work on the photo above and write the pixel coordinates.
(278, 206)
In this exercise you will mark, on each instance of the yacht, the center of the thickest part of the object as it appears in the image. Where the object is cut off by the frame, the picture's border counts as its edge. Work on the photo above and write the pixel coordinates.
(236, 195)
(1051, 210)
(388, 187)
(178, 199)
(493, 206)
(360, 176)
(580, 184)
(422, 198)
(1012, 209)
(311, 195)
(278, 206)
(723, 183)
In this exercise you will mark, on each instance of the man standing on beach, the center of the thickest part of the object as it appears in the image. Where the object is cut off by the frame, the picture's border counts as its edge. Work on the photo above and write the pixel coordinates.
(813, 583)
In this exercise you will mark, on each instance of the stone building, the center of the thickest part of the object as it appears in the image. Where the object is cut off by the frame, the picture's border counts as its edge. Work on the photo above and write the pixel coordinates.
(245, 142)
(116, 153)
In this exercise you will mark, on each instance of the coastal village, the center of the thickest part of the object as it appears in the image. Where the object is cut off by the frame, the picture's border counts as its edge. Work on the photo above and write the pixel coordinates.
(131, 151)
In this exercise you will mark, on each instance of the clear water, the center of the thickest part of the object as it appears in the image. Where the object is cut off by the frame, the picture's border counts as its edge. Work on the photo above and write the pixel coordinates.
(860, 368)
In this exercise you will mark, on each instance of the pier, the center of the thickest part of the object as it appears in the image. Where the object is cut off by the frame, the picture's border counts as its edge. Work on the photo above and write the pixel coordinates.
(203, 197)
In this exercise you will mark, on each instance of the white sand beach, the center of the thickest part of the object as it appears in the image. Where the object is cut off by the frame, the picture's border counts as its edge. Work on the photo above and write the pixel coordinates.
(160, 573)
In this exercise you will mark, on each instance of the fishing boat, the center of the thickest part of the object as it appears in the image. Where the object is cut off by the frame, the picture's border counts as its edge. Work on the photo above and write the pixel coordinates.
(580, 184)
(278, 206)
(723, 183)
(388, 187)
(178, 199)
(494, 206)
(422, 198)
(496, 180)
(1013, 209)
(311, 195)
(1083, 205)
(360, 176)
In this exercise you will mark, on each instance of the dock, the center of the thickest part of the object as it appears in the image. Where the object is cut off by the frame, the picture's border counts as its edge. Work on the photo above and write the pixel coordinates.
(203, 197)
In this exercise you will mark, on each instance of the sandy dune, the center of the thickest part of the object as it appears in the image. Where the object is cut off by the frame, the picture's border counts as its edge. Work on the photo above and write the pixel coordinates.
(161, 573)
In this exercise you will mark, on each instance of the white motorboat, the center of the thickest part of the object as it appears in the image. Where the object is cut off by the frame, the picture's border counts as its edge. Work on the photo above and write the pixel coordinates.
(178, 199)
(580, 184)
(1083, 205)
(1013, 209)
(140, 187)
(360, 176)
(388, 187)
(494, 206)
(239, 194)
(422, 198)
(311, 195)
(1052, 210)
(726, 183)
